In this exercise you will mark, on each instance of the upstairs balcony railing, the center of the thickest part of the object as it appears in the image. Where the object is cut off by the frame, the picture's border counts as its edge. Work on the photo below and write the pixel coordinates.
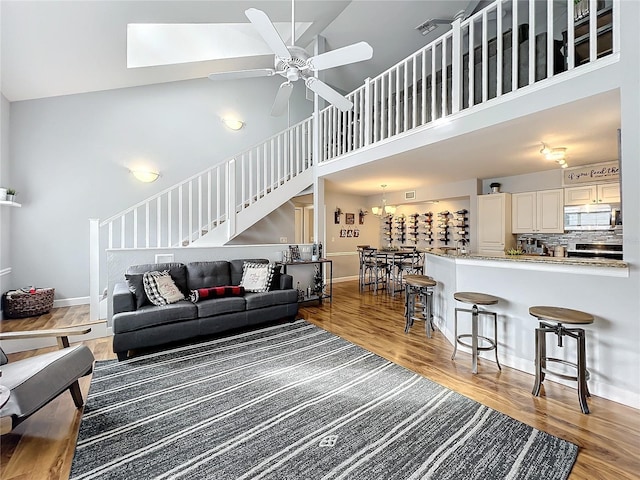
(479, 59)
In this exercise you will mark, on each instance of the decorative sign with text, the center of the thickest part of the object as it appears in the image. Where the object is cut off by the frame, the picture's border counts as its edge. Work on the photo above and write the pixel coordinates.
(596, 173)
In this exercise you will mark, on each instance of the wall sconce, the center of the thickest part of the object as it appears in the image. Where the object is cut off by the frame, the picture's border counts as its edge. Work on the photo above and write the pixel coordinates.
(556, 154)
(383, 209)
(146, 176)
(233, 123)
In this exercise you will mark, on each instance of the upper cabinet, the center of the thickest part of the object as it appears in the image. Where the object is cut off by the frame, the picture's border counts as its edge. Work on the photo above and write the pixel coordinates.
(603, 193)
(537, 212)
(494, 224)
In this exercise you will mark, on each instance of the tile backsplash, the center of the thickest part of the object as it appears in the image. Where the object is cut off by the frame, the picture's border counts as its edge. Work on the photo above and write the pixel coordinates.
(554, 239)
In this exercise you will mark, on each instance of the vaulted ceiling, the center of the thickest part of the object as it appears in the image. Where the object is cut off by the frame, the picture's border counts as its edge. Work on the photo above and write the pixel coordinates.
(52, 48)
(56, 47)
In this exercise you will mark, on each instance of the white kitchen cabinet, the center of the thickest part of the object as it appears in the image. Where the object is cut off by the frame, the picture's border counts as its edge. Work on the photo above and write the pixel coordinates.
(538, 212)
(602, 193)
(494, 224)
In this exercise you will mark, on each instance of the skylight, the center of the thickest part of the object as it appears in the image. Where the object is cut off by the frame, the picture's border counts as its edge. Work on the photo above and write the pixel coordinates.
(165, 44)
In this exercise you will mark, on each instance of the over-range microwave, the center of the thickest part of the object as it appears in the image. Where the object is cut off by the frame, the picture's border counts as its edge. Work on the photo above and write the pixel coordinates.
(602, 216)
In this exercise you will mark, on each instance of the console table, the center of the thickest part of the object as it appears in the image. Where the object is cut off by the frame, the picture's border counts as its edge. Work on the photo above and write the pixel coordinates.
(323, 263)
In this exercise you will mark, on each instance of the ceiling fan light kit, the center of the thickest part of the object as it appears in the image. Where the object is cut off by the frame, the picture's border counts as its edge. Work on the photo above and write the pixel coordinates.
(294, 63)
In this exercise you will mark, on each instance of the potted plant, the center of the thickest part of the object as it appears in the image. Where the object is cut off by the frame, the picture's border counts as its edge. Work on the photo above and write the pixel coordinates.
(11, 193)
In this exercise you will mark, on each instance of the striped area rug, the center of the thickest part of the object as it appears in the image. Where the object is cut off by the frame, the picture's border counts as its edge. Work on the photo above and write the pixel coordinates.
(296, 402)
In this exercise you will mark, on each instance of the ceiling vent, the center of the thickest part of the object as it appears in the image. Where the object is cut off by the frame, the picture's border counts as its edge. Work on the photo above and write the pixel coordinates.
(410, 195)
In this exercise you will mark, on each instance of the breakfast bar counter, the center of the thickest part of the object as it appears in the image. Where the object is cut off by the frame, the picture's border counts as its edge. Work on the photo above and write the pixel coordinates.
(599, 266)
(522, 281)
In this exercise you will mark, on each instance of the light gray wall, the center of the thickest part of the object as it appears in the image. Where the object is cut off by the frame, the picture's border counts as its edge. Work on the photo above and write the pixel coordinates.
(343, 250)
(546, 180)
(5, 212)
(71, 155)
(279, 223)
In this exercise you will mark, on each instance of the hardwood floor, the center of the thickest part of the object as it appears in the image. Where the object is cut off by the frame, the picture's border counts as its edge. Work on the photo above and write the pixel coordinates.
(609, 438)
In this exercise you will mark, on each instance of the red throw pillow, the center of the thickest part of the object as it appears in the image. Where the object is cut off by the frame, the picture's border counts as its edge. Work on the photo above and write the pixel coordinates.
(215, 292)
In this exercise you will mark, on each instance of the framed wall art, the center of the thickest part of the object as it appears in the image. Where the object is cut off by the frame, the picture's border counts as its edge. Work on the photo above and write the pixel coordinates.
(349, 218)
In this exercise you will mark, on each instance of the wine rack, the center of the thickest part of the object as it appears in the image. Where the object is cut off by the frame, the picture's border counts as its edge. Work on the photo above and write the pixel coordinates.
(387, 230)
(400, 229)
(412, 227)
(428, 227)
(443, 227)
(461, 226)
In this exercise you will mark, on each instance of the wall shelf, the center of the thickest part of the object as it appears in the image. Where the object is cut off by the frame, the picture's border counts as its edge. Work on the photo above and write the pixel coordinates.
(4, 203)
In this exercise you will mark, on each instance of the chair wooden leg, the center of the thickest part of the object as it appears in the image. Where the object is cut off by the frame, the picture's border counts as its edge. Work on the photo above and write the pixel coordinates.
(76, 394)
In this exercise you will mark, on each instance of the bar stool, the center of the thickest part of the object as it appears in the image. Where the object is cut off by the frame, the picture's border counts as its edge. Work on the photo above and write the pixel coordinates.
(562, 316)
(418, 301)
(476, 299)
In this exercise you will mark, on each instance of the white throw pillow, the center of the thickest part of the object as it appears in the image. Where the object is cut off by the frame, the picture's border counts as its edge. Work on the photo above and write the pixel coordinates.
(160, 288)
(256, 277)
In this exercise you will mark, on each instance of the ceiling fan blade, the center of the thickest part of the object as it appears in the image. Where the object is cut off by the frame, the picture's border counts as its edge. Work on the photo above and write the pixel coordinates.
(282, 99)
(259, 72)
(350, 54)
(329, 94)
(268, 32)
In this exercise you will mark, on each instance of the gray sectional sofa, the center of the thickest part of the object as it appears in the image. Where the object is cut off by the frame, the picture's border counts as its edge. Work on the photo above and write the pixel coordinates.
(137, 324)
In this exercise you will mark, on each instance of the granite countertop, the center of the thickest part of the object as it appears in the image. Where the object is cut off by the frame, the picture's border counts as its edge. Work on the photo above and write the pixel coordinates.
(592, 262)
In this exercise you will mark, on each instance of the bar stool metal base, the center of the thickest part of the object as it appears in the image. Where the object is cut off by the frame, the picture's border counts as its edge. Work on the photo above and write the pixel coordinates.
(475, 338)
(582, 374)
(418, 301)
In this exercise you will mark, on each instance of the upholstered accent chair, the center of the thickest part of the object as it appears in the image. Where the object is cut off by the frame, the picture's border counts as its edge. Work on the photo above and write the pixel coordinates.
(33, 382)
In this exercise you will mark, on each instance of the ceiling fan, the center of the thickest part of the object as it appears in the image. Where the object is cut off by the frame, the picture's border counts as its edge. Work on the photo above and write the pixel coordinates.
(294, 63)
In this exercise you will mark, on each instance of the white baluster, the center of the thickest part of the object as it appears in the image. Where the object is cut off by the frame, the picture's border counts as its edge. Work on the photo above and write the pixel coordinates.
(499, 52)
(414, 93)
(135, 228)
(485, 57)
(146, 225)
(445, 102)
(515, 44)
(169, 214)
(532, 42)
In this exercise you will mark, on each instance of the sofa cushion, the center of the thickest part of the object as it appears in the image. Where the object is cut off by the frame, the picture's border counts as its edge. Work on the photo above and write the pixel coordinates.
(161, 289)
(150, 315)
(216, 292)
(208, 274)
(136, 287)
(237, 268)
(218, 306)
(178, 272)
(268, 299)
(257, 277)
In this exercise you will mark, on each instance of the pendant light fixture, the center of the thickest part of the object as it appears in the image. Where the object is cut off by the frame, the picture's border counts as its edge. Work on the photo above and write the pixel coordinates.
(383, 209)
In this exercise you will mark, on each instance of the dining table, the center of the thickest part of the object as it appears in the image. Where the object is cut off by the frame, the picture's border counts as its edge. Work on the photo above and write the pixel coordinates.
(397, 262)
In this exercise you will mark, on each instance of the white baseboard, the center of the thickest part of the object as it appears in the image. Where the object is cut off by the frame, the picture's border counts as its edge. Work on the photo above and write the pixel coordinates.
(345, 279)
(70, 302)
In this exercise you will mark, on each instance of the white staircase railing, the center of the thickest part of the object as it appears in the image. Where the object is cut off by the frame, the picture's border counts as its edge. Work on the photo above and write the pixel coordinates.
(188, 211)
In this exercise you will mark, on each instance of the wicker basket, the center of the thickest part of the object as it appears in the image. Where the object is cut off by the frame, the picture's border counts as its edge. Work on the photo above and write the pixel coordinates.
(21, 303)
